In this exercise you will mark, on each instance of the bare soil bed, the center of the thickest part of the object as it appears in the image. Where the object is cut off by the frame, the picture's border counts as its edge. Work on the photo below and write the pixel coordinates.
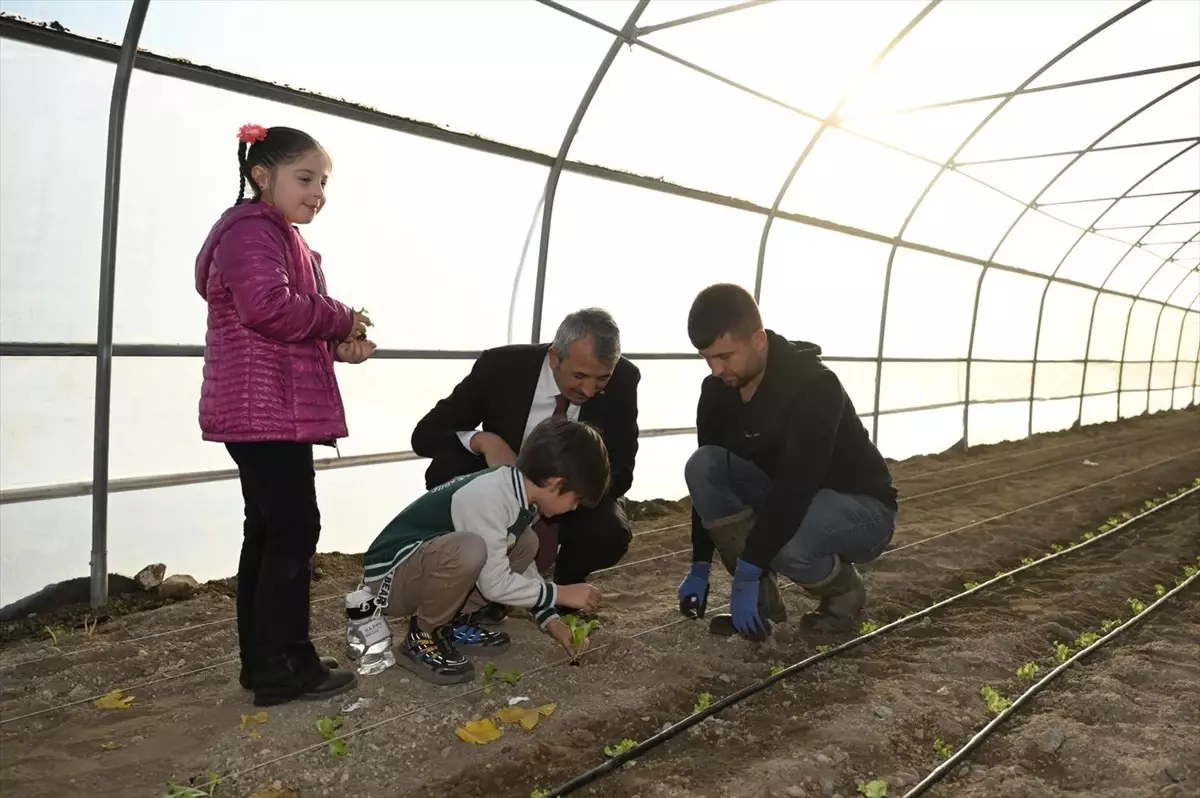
(873, 712)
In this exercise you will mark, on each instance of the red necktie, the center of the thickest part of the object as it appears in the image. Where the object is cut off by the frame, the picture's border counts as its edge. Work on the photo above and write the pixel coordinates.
(545, 529)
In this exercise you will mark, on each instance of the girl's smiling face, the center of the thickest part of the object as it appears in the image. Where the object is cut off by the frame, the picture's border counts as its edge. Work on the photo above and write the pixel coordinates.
(296, 188)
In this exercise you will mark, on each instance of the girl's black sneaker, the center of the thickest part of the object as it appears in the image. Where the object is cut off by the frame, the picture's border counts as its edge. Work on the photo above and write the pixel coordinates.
(433, 657)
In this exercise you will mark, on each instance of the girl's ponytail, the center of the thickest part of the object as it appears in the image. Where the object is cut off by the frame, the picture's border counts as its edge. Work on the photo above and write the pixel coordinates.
(242, 147)
(247, 135)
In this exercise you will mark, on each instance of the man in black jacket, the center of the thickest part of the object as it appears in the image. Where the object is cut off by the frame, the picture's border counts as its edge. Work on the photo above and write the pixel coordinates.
(785, 480)
(508, 391)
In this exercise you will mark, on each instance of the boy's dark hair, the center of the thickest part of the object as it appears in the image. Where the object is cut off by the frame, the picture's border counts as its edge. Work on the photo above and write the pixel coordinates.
(282, 145)
(722, 308)
(571, 450)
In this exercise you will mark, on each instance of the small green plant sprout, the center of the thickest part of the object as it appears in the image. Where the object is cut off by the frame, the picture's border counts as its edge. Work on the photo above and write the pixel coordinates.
(1126, 516)
(866, 627)
(53, 635)
(996, 703)
(538, 792)
(1062, 652)
(512, 678)
(776, 670)
(327, 727)
(489, 673)
(821, 649)
(1027, 561)
(1088, 536)
(207, 790)
(1027, 671)
(620, 748)
(876, 788)
(1109, 625)
(1148, 505)
(942, 749)
(1055, 548)
(579, 633)
(1085, 639)
(970, 585)
(1137, 606)
(1159, 591)
(704, 702)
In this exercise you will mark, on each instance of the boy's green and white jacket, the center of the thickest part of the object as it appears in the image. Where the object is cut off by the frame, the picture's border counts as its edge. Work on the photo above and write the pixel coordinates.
(492, 504)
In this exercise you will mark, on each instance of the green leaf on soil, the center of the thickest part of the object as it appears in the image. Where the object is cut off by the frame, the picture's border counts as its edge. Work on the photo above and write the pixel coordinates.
(873, 789)
(1062, 651)
(327, 727)
(620, 748)
(866, 627)
(1137, 606)
(996, 703)
(1085, 639)
(1027, 671)
(704, 702)
(942, 749)
(538, 792)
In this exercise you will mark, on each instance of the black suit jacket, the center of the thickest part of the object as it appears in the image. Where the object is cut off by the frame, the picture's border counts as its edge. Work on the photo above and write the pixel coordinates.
(496, 396)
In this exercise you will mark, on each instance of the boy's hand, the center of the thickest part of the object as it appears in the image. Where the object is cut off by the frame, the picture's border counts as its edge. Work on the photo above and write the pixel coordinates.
(581, 597)
(562, 635)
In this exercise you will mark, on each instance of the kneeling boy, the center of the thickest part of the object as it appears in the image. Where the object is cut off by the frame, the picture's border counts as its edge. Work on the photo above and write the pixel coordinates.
(468, 542)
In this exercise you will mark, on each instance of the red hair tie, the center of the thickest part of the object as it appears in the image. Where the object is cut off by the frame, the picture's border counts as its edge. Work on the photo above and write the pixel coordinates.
(249, 134)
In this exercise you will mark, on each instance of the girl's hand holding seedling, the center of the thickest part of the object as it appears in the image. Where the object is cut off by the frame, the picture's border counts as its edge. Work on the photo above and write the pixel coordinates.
(581, 596)
(355, 351)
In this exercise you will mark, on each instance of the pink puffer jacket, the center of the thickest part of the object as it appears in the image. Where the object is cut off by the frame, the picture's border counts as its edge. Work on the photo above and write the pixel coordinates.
(268, 354)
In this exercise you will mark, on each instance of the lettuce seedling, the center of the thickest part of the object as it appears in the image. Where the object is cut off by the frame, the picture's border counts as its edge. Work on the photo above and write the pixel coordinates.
(620, 748)
(579, 633)
(1085, 639)
(942, 749)
(1027, 671)
(1062, 652)
(996, 703)
(327, 727)
(704, 702)
(1137, 606)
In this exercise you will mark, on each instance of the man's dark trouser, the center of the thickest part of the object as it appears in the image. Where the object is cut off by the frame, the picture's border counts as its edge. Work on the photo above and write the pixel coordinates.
(274, 577)
(589, 539)
(854, 528)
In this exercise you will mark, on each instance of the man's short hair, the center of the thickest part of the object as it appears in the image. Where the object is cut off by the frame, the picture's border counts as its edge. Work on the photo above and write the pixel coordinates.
(719, 309)
(595, 323)
(571, 450)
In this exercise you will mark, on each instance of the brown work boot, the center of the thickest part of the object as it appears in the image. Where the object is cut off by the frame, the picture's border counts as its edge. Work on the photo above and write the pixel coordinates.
(729, 537)
(842, 599)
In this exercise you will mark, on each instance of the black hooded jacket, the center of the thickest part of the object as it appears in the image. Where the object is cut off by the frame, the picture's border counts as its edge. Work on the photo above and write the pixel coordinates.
(800, 428)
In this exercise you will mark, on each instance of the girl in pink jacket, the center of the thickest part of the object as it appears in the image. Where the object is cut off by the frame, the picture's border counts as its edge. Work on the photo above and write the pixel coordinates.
(270, 393)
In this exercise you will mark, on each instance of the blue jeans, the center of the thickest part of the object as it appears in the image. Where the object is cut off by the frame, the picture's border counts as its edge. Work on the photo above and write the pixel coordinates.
(855, 528)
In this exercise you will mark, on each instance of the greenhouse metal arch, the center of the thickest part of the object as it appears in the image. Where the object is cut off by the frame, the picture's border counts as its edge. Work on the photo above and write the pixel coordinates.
(1183, 296)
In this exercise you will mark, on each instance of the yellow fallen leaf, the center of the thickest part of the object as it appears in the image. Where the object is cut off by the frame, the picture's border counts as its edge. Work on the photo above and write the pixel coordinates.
(114, 700)
(479, 732)
(546, 710)
(526, 718)
(257, 717)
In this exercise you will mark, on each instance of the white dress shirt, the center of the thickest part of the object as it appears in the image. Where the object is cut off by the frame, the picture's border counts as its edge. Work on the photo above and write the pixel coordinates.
(540, 409)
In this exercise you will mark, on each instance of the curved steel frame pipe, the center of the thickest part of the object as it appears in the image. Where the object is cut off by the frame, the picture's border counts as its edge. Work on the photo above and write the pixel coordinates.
(104, 327)
(948, 164)
(626, 33)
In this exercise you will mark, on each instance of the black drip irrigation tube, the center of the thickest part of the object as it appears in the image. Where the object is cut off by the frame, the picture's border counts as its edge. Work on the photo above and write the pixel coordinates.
(614, 763)
(958, 756)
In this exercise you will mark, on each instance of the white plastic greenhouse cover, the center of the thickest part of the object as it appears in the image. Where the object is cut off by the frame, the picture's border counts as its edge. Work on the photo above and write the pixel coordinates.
(967, 204)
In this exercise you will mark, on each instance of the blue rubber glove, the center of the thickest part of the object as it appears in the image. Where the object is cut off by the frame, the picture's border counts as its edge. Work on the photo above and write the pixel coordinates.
(693, 591)
(744, 603)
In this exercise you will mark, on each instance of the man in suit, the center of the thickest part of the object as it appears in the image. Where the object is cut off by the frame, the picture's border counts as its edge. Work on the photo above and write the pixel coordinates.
(508, 391)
